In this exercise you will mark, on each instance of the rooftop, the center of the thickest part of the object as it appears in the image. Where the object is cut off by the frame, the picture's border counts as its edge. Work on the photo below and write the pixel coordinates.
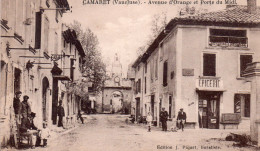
(235, 16)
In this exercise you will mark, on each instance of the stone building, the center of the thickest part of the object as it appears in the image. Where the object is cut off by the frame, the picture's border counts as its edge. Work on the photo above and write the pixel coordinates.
(196, 63)
(116, 94)
(33, 51)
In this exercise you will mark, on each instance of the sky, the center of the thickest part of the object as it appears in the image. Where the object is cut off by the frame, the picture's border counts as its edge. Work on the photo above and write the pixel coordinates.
(122, 29)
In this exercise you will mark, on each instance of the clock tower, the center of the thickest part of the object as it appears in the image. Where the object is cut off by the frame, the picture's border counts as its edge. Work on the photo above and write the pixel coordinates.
(116, 73)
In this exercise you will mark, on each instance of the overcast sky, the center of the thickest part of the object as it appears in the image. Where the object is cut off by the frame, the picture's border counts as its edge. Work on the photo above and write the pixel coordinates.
(123, 28)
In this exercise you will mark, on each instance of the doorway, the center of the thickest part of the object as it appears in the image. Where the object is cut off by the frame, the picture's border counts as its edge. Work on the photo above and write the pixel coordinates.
(17, 80)
(170, 106)
(152, 105)
(209, 110)
(55, 93)
(137, 107)
(45, 87)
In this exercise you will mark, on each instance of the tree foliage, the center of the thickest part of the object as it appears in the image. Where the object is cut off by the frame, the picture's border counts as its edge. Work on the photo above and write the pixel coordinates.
(159, 21)
(94, 68)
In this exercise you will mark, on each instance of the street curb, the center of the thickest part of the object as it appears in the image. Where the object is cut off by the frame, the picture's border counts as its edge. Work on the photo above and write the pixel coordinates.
(65, 132)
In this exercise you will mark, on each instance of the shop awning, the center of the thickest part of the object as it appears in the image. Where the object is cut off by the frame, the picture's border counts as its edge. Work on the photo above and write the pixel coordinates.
(61, 77)
(207, 89)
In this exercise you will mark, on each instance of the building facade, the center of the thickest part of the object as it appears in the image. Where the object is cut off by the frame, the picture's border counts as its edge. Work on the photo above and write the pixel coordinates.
(196, 63)
(33, 53)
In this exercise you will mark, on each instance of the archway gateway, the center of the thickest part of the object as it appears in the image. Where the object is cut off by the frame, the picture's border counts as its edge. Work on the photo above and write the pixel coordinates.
(117, 101)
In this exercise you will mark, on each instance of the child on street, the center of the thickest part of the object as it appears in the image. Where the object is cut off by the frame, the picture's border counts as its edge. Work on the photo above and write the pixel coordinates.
(149, 120)
(45, 134)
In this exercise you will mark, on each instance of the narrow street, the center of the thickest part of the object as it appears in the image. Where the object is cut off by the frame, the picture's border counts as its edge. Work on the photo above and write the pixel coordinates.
(110, 133)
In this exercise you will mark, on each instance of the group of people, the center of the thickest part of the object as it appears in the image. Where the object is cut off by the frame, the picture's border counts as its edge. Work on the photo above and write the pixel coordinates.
(24, 119)
(181, 120)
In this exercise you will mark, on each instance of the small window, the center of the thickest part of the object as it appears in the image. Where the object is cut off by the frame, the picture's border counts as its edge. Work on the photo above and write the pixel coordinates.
(244, 60)
(145, 67)
(144, 84)
(228, 38)
(242, 104)
(72, 69)
(165, 73)
(139, 85)
(156, 67)
(209, 64)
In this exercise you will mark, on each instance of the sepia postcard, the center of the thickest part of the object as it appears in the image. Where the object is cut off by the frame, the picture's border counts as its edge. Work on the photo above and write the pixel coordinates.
(130, 75)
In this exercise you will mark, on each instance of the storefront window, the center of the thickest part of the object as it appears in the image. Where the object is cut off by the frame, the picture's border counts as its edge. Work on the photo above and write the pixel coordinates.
(242, 104)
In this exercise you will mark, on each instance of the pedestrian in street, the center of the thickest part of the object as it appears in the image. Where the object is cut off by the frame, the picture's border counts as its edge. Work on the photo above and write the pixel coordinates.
(164, 118)
(17, 107)
(79, 116)
(45, 134)
(28, 128)
(181, 118)
(25, 110)
(61, 114)
(149, 120)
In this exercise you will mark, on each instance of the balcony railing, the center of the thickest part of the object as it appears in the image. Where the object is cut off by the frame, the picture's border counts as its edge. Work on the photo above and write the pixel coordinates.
(228, 41)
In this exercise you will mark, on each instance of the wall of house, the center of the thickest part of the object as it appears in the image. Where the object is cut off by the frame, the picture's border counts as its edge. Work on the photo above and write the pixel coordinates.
(168, 53)
(194, 44)
(21, 17)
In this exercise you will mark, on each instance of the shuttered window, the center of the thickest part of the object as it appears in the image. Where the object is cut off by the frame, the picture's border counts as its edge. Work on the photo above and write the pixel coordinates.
(244, 60)
(144, 84)
(209, 64)
(165, 73)
(38, 29)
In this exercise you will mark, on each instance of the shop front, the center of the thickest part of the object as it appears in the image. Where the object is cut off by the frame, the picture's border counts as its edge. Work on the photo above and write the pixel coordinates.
(209, 92)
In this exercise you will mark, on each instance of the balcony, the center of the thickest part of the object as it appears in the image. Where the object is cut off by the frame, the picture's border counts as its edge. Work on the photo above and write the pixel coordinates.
(228, 41)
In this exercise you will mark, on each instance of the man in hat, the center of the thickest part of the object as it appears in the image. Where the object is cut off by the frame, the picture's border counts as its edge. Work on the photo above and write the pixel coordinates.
(28, 128)
(17, 102)
(61, 114)
(164, 118)
(17, 107)
(25, 110)
(181, 118)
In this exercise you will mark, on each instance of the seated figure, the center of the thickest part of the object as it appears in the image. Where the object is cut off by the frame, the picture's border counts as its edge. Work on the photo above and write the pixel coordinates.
(30, 130)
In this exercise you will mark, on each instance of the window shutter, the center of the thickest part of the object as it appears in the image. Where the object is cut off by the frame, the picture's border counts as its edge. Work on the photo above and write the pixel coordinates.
(165, 73)
(38, 28)
(244, 60)
(209, 65)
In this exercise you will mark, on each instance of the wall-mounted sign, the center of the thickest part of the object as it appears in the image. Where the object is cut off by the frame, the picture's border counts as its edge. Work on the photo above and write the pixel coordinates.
(209, 83)
(188, 72)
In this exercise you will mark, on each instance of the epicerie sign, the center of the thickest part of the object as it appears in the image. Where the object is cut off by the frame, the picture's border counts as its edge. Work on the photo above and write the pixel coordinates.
(209, 83)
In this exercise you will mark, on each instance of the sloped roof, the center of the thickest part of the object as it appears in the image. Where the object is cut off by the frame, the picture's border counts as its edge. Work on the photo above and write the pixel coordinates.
(235, 16)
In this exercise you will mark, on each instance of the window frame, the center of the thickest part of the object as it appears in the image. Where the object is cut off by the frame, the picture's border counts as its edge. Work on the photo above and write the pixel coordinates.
(202, 61)
(243, 108)
(239, 62)
(224, 28)
(165, 73)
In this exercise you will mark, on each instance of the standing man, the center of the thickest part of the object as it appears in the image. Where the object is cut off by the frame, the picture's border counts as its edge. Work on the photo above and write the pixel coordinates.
(164, 118)
(61, 114)
(17, 107)
(181, 118)
(25, 110)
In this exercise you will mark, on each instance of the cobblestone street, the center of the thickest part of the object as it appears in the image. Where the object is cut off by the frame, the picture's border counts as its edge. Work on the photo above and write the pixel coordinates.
(111, 133)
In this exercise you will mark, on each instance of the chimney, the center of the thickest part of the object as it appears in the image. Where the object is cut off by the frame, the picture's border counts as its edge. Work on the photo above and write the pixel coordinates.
(251, 6)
